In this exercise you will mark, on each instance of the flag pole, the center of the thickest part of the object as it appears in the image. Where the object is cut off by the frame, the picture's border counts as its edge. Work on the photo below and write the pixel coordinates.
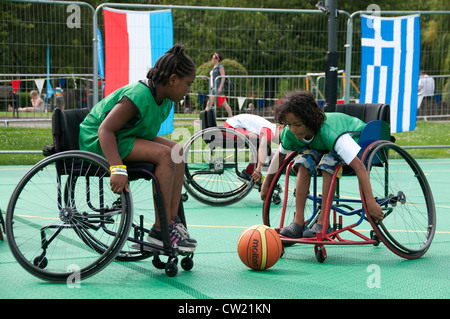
(331, 60)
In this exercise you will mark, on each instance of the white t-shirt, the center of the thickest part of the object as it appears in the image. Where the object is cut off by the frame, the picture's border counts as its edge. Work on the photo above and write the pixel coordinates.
(252, 123)
(427, 84)
(345, 147)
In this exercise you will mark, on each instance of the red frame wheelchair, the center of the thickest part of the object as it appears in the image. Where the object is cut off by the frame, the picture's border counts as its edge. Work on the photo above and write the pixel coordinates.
(398, 183)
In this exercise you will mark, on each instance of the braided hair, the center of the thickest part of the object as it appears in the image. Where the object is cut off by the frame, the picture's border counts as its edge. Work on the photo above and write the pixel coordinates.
(174, 61)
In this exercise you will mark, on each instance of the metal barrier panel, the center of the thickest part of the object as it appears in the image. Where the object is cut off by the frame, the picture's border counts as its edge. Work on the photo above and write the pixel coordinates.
(50, 42)
(46, 46)
(264, 45)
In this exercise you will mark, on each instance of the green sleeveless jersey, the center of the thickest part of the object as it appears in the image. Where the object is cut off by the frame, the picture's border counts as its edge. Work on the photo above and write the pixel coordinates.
(335, 125)
(145, 124)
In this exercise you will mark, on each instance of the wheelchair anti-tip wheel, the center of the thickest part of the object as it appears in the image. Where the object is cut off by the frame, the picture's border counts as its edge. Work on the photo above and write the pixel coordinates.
(63, 221)
(402, 190)
(215, 158)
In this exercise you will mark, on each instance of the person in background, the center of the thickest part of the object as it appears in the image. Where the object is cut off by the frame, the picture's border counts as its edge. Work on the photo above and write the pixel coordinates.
(37, 104)
(255, 128)
(426, 88)
(214, 91)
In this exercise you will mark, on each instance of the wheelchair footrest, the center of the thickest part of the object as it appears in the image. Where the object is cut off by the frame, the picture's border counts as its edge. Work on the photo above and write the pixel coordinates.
(332, 238)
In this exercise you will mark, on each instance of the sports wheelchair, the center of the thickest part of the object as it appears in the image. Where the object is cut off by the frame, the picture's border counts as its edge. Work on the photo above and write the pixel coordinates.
(398, 183)
(64, 223)
(215, 158)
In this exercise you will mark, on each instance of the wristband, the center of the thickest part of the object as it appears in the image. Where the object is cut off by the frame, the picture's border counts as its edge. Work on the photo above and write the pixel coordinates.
(117, 166)
(119, 173)
(258, 171)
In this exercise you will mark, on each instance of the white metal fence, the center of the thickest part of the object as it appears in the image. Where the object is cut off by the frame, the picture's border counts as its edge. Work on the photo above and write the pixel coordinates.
(270, 51)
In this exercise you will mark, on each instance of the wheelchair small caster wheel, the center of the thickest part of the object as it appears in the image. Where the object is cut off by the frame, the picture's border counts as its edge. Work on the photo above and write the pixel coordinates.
(187, 263)
(40, 261)
(375, 237)
(158, 263)
(171, 268)
(321, 253)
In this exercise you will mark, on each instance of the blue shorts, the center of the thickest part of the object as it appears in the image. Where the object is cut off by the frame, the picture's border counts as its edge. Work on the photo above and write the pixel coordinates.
(315, 160)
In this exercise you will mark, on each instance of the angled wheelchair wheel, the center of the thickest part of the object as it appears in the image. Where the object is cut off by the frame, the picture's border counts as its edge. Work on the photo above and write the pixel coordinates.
(215, 158)
(402, 190)
(63, 221)
(279, 205)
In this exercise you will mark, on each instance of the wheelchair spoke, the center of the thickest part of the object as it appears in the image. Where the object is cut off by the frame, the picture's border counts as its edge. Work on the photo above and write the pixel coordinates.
(409, 223)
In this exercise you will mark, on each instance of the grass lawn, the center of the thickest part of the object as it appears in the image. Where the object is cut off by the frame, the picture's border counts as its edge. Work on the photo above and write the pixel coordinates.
(24, 138)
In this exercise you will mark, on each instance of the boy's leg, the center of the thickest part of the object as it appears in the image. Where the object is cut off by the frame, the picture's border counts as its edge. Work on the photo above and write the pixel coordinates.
(301, 192)
(305, 164)
(327, 165)
(326, 185)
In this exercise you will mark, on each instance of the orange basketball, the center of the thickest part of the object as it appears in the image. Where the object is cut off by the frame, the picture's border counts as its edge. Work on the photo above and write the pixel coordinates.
(259, 247)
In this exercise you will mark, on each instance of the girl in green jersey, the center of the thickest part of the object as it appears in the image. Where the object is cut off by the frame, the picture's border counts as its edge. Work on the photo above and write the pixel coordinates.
(123, 127)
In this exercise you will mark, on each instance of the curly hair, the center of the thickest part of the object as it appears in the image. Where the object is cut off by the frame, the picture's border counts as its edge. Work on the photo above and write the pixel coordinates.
(174, 61)
(302, 105)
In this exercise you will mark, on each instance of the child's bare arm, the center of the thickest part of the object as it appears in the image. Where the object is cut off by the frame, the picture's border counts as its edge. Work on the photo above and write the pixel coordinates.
(116, 119)
(374, 210)
(275, 164)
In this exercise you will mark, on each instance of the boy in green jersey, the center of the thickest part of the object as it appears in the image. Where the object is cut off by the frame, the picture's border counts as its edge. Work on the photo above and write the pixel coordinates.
(324, 141)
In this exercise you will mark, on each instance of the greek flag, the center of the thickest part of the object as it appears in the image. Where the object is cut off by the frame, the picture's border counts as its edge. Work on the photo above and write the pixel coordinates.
(390, 57)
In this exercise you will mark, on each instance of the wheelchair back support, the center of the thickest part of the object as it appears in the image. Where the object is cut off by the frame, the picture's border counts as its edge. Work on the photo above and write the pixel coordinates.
(366, 112)
(66, 128)
(66, 131)
(208, 118)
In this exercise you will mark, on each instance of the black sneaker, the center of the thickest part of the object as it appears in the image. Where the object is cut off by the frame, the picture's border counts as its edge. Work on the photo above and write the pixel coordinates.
(294, 230)
(155, 237)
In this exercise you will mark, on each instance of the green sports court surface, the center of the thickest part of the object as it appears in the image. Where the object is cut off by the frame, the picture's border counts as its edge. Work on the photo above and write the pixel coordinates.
(355, 272)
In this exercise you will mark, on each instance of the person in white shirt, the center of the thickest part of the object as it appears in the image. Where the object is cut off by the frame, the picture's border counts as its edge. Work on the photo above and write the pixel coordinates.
(256, 127)
(426, 87)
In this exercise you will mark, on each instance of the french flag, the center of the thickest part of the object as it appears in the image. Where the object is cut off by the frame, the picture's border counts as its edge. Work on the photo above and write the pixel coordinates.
(134, 41)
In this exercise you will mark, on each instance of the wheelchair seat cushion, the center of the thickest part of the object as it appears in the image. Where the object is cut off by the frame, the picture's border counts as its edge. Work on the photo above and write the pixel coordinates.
(138, 170)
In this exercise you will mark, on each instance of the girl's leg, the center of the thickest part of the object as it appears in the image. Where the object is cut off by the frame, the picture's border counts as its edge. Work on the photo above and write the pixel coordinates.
(168, 172)
(210, 102)
(227, 108)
